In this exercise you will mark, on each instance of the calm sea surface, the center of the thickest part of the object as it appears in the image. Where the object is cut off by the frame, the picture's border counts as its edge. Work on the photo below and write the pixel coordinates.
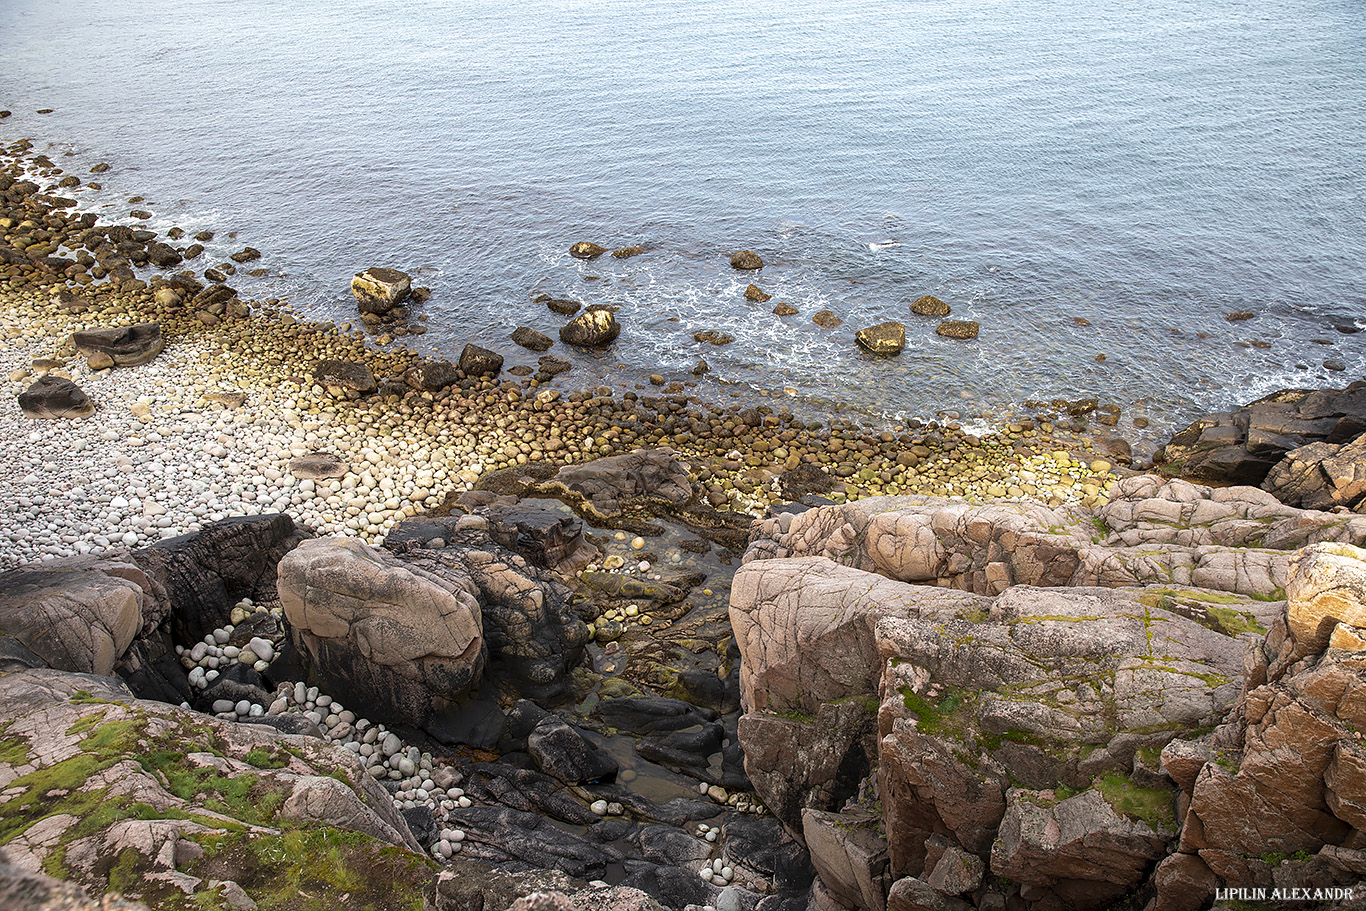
(1082, 178)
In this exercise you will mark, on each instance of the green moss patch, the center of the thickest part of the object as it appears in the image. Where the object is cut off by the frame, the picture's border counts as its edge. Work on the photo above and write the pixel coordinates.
(311, 869)
(1153, 806)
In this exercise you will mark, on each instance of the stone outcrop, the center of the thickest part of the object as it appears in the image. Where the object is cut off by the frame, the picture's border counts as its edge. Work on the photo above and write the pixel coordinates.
(379, 290)
(55, 397)
(122, 346)
(391, 639)
(1033, 721)
(611, 483)
(533, 635)
(1242, 446)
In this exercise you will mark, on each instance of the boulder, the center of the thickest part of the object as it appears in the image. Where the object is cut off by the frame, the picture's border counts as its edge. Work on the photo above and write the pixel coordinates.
(379, 290)
(533, 634)
(391, 640)
(345, 375)
(826, 319)
(755, 293)
(586, 249)
(163, 256)
(560, 305)
(628, 252)
(477, 361)
(531, 339)
(55, 397)
(1321, 475)
(957, 328)
(746, 260)
(126, 346)
(1242, 446)
(212, 295)
(432, 376)
(596, 327)
(929, 306)
(78, 613)
(884, 339)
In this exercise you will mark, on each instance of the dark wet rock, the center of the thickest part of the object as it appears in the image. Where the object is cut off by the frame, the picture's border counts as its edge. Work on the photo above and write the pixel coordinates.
(234, 683)
(163, 256)
(521, 720)
(477, 361)
(755, 293)
(193, 251)
(422, 823)
(712, 337)
(674, 886)
(746, 260)
(786, 309)
(552, 366)
(566, 755)
(1239, 316)
(761, 843)
(217, 293)
(671, 845)
(215, 274)
(379, 290)
(586, 249)
(465, 885)
(206, 573)
(804, 480)
(704, 689)
(651, 714)
(431, 376)
(700, 367)
(528, 790)
(126, 346)
(826, 319)
(884, 339)
(245, 255)
(15, 656)
(547, 538)
(1242, 446)
(628, 252)
(352, 375)
(596, 327)
(531, 339)
(928, 305)
(55, 397)
(957, 328)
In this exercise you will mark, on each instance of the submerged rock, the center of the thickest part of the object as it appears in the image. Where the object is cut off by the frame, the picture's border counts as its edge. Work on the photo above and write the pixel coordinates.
(586, 249)
(957, 328)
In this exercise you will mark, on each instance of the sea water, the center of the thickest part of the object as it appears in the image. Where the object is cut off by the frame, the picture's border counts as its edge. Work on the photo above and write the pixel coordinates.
(1097, 184)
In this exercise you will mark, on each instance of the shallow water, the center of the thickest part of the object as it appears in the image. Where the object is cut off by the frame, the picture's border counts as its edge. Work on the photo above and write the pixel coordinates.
(1143, 170)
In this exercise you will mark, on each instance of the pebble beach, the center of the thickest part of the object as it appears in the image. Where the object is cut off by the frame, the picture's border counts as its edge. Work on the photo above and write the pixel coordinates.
(208, 428)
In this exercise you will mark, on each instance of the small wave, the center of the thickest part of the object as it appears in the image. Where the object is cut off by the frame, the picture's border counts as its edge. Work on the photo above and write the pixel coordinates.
(884, 244)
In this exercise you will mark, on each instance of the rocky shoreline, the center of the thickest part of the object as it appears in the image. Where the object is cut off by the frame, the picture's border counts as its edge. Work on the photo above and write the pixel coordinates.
(294, 591)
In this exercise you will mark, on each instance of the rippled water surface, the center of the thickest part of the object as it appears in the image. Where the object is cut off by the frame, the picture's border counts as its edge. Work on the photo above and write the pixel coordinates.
(1083, 179)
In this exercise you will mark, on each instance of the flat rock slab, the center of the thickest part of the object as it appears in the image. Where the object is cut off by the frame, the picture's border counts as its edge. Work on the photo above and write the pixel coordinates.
(317, 466)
